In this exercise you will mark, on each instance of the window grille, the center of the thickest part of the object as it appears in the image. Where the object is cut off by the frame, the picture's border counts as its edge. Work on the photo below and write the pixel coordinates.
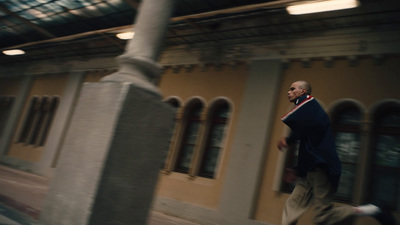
(38, 120)
(346, 121)
(217, 124)
(176, 104)
(189, 138)
(385, 180)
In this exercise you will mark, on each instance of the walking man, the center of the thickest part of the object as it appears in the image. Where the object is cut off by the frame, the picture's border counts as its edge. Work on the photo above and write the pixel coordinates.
(318, 169)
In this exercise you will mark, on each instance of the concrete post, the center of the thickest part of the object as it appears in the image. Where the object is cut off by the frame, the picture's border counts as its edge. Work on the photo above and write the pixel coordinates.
(240, 190)
(49, 158)
(117, 139)
(138, 64)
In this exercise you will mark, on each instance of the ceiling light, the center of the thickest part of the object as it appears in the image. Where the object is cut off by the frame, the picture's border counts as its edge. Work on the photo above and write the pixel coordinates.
(321, 6)
(125, 35)
(13, 52)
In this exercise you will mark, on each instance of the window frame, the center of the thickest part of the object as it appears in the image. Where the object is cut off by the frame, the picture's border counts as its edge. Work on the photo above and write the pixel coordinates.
(181, 125)
(38, 119)
(170, 159)
(187, 120)
(211, 123)
(341, 109)
(380, 111)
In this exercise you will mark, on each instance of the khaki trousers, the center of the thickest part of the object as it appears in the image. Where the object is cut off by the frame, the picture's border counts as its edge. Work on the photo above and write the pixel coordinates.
(315, 189)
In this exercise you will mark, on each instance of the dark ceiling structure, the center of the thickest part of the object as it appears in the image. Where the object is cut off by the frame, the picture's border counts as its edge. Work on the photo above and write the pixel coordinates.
(74, 29)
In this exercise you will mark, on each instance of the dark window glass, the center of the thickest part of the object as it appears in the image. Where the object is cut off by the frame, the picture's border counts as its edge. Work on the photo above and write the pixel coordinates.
(189, 139)
(175, 104)
(346, 127)
(38, 120)
(385, 182)
(214, 140)
(50, 111)
(40, 112)
(29, 119)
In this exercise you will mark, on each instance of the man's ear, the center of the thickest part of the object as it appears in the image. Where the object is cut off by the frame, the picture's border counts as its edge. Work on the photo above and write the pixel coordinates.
(303, 91)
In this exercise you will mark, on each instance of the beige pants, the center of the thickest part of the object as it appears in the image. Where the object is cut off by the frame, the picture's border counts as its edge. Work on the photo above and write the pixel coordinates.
(316, 190)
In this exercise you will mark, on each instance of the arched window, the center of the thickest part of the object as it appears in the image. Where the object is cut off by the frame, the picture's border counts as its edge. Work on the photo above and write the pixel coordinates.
(29, 119)
(40, 111)
(217, 120)
(38, 120)
(175, 103)
(49, 110)
(191, 126)
(385, 180)
(346, 120)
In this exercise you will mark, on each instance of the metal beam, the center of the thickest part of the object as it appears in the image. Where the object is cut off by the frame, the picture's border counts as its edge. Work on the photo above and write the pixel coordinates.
(133, 3)
(42, 31)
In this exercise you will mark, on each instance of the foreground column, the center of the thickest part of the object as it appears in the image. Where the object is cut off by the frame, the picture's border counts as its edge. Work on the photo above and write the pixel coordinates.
(117, 139)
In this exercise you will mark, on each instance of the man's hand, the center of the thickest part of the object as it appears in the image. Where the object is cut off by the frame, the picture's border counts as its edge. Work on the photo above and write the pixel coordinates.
(282, 144)
(290, 175)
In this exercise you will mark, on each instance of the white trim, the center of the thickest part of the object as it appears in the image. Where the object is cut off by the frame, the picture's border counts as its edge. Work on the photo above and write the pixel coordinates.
(308, 99)
(179, 100)
(191, 98)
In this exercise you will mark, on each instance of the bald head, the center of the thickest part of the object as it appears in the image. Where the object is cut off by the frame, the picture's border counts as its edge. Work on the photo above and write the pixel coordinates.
(304, 85)
(298, 89)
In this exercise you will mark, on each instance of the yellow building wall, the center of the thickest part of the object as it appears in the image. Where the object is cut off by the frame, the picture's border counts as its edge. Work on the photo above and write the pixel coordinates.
(366, 82)
(214, 82)
(208, 83)
(47, 85)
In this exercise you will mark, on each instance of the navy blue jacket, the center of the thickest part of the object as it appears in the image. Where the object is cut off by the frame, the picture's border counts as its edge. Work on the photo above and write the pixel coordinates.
(311, 126)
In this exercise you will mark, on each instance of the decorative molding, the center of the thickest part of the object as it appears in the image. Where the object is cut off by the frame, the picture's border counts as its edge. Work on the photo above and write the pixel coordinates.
(285, 63)
(353, 60)
(378, 59)
(306, 62)
(175, 69)
(188, 68)
(333, 45)
(218, 66)
(328, 62)
(203, 67)
(330, 46)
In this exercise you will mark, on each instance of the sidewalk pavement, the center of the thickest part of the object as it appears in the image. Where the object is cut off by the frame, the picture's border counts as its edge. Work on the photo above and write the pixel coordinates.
(10, 216)
(22, 194)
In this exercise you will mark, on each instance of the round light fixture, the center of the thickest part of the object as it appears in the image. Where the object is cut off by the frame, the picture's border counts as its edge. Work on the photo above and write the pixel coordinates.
(126, 35)
(13, 52)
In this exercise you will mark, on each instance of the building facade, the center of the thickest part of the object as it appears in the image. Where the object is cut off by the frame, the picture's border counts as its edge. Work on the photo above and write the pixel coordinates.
(222, 165)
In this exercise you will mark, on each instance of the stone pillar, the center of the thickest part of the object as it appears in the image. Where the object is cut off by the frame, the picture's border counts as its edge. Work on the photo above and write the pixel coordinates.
(246, 162)
(138, 64)
(117, 139)
(58, 128)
